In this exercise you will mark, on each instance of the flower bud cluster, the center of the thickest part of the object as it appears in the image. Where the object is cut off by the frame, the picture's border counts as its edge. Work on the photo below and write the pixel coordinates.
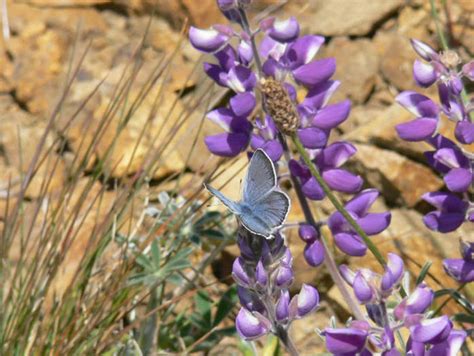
(452, 160)
(427, 336)
(264, 274)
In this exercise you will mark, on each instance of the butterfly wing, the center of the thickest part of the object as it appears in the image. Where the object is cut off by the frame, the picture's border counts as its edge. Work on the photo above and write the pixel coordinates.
(260, 179)
(267, 214)
(232, 205)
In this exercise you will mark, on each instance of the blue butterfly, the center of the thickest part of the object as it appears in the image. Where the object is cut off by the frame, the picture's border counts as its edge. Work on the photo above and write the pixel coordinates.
(263, 208)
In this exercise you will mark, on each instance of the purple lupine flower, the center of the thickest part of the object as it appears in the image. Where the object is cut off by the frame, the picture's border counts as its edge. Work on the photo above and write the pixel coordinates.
(450, 346)
(345, 237)
(451, 211)
(427, 112)
(432, 331)
(346, 341)
(251, 325)
(267, 139)
(417, 303)
(264, 273)
(234, 121)
(454, 164)
(461, 269)
(448, 157)
(328, 160)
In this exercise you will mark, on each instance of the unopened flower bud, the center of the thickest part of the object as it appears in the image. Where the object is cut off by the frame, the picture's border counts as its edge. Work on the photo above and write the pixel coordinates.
(238, 272)
(261, 274)
(249, 326)
(314, 253)
(284, 276)
(308, 233)
(362, 289)
(282, 308)
(279, 106)
(307, 300)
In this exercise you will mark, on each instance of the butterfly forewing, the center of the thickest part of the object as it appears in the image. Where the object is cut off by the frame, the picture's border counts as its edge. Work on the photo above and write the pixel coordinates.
(232, 205)
(261, 178)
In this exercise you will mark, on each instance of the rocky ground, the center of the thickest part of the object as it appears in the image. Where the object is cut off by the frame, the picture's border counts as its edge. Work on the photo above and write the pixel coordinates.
(369, 39)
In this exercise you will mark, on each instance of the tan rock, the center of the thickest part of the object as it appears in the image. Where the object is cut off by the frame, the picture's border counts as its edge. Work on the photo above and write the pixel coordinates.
(341, 17)
(397, 60)
(357, 67)
(381, 132)
(395, 175)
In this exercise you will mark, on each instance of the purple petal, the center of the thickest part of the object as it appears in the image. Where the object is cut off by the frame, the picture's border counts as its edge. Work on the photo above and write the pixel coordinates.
(418, 104)
(418, 129)
(424, 73)
(446, 202)
(248, 326)
(207, 40)
(424, 50)
(271, 68)
(284, 276)
(315, 72)
(459, 269)
(269, 48)
(345, 341)
(420, 300)
(307, 300)
(319, 95)
(222, 117)
(350, 244)
(313, 137)
(342, 180)
(347, 274)
(314, 253)
(375, 223)
(243, 104)
(261, 274)
(337, 154)
(458, 180)
(239, 273)
(285, 31)
(303, 50)
(227, 144)
(313, 190)
(249, 300)
(468, 70)
(215, 72)
(451, 157)
(451, 346)
(432, 331)
(443, 222)
(308, 233)
(362, 289)
(361, 203)
(332, 115)
(226, 57)
(282, 308)
(240, 79)
(465, 132)
(395, 266)
(272, 148)
(245, 52)
(299, 170)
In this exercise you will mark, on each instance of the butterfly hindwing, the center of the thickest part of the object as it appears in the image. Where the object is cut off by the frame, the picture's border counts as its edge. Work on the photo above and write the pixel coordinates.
(260, 179)
(232, 205)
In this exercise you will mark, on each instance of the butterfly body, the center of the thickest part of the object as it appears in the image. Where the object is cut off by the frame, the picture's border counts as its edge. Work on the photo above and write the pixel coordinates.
(263, 208)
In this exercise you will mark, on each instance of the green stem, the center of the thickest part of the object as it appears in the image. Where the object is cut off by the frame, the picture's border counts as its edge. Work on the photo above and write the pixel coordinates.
(337, 204)
(439, 31)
